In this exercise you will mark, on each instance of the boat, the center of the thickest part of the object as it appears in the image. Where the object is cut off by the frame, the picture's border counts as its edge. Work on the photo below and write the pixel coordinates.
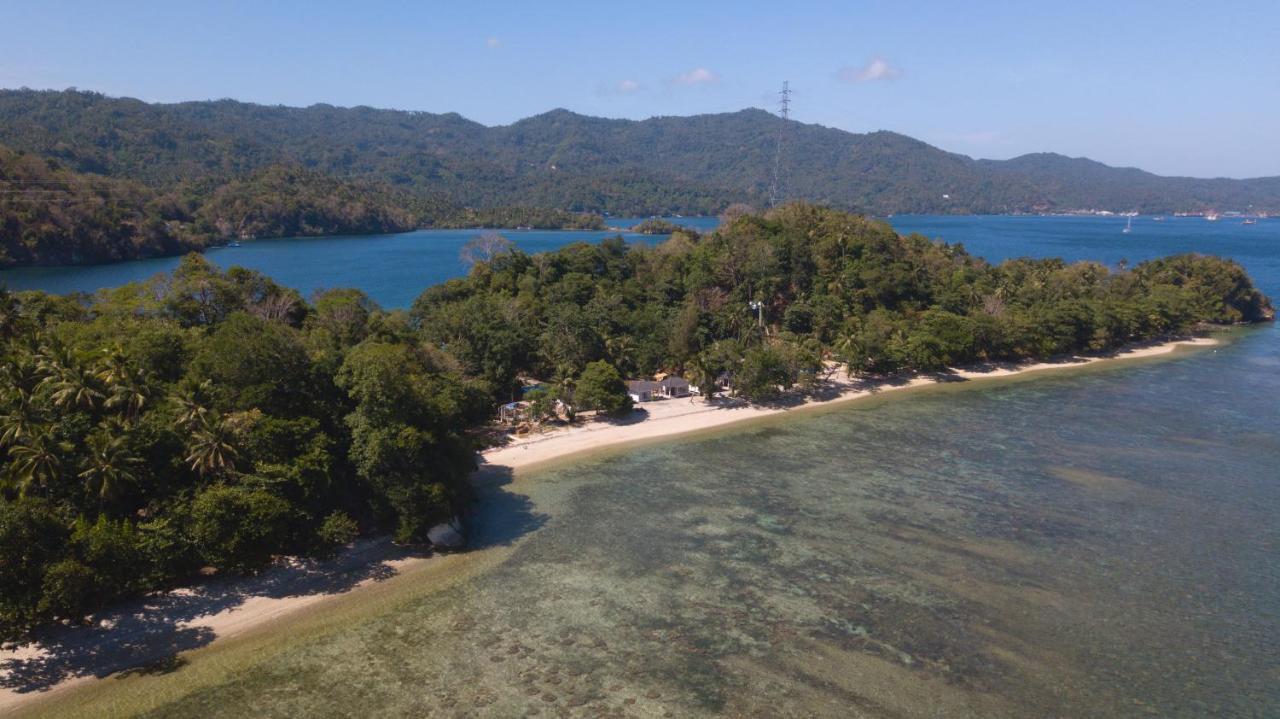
(1250, 221)
(1128, 226)
(1211, 216)
(1158, 218)
(233, 243)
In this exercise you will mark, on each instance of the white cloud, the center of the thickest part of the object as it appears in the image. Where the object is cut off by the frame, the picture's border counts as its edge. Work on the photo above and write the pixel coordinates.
(493, 42)
(697, 76)
(627, 87)
(878, 68)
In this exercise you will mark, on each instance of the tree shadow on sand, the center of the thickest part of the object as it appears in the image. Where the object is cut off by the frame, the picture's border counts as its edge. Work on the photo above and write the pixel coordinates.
(147, 634)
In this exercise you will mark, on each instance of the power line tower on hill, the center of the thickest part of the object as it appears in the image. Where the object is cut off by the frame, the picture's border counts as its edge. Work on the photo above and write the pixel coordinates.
(777, 188)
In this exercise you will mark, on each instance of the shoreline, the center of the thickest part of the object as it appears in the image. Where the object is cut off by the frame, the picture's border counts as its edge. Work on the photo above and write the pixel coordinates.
(669, 418)
(210, 616)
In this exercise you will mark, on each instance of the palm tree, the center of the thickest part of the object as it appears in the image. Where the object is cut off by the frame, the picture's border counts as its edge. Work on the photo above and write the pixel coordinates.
(52, 359)
(36, 463)
(621, 350)
(211, 450)
(113, 366)
(193, 404)
(21, 373)
(701, 373)
(130, 391)
(851, 349)
(106, 467)
(77, 388)
(21, 422)
(10, 315)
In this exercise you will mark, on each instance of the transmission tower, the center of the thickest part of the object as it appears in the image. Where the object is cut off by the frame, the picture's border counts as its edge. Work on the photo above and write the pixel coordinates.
(777, 188)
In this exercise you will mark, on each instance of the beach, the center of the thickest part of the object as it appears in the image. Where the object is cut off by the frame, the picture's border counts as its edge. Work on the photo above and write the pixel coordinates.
(672, 417)
(208, 616)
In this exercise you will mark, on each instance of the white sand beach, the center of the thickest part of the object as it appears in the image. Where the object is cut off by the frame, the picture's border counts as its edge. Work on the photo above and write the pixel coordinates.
(670, 417)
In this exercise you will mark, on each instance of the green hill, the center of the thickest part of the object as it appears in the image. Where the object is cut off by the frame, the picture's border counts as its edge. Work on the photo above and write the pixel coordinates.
(170, 177)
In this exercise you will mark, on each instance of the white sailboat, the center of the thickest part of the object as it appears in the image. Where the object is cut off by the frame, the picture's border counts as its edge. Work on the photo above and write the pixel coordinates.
(1128, 226)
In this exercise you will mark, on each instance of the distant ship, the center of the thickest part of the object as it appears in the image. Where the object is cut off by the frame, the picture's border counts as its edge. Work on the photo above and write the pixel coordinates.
(1211, 216)
(1249, 221)
(1128, 226)
(233, 243)
(1159, 218)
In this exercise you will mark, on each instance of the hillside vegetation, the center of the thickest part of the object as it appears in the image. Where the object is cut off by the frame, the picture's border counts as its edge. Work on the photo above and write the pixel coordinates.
(561, 160)
(51, 215)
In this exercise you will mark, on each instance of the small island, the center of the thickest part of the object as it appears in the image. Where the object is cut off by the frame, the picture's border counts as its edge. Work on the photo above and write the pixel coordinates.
(208, 421)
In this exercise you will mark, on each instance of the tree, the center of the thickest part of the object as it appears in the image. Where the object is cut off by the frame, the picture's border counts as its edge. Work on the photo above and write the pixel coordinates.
(484, 248)
(601, 388)
(67, 590)
(337, 530)
(256, 363)
(763, 374)
(211, 451)
(129, 392)
(36, 464)
(192, 401)
(32, 538)
(703, 374)
(237, 528)
(75, 387)
(108, 466)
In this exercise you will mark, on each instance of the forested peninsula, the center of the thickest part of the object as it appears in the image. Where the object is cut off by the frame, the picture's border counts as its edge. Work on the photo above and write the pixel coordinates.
(207, 421)
(51, 215)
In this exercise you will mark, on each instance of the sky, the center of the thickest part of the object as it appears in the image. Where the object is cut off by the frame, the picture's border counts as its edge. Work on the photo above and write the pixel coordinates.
(1174, 87)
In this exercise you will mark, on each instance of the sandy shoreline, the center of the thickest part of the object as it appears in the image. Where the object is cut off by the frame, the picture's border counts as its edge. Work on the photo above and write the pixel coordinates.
(668, 418)
(210, 614)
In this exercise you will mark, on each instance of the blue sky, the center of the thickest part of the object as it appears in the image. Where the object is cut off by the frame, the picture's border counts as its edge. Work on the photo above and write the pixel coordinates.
(1173, 87)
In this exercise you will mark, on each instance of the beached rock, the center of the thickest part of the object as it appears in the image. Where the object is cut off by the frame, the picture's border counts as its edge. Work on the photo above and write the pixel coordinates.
(446, 536)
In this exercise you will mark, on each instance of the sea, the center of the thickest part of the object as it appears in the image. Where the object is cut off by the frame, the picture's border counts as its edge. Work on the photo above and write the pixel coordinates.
(1097, 542)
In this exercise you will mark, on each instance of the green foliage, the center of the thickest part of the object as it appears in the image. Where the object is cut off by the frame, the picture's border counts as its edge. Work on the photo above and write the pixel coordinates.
(405, 440)
(236, 528)
(338, 529)
(601, 388)
(657, 226)
(68, 590)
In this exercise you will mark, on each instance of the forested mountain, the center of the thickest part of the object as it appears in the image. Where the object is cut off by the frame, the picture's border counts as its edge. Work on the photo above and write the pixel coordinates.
(567, 161)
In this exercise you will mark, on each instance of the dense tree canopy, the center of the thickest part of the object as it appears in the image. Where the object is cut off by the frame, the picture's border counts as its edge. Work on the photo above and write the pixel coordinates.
(52, 215)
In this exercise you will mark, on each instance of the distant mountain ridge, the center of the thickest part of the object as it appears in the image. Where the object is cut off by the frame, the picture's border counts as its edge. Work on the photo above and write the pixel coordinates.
(564, 160)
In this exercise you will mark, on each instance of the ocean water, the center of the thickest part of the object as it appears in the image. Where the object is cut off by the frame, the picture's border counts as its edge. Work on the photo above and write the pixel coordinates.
(1097, 542)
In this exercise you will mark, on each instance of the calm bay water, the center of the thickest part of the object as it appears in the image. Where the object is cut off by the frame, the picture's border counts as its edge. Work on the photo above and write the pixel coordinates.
(1099, 542)
(392, 269)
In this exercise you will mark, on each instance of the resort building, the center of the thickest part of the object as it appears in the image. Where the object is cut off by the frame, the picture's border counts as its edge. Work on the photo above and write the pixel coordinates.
(643, 390)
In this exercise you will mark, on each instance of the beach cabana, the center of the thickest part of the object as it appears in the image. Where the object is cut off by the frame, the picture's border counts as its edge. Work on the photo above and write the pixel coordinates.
(513, 412)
